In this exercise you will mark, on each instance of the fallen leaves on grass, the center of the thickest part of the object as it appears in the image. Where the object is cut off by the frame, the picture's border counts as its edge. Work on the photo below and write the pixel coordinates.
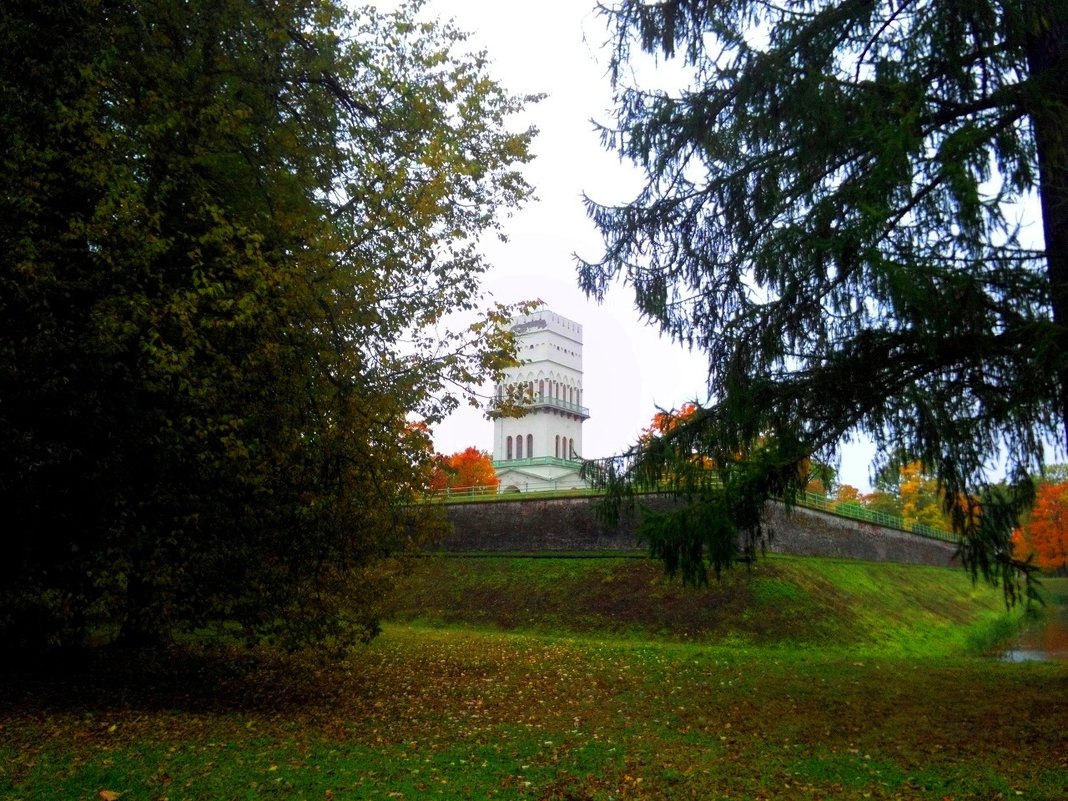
(458, 714)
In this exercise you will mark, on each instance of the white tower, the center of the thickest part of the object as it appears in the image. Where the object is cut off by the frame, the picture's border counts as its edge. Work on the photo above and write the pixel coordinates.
(543, 448)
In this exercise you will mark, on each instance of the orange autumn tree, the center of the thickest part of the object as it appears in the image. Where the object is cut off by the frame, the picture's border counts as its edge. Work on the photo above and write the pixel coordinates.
(463, 470)
(1045, 534)
(664, 422)
(847, 493)
(662, 426)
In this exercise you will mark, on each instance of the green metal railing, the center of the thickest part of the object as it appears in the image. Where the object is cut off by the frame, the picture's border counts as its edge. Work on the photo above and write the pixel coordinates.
(854, 511)
(539, 461)
(492, 494)
(556, 403)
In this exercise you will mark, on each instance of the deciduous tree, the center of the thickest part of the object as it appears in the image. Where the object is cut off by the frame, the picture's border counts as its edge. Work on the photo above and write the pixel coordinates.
(665, 421)
(1044, 534)
(832, 210)
(466, 469)
(229, 234)
(908, 491)
(846, 493)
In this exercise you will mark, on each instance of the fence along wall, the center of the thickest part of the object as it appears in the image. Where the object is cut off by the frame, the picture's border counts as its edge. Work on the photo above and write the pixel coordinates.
(571, 524)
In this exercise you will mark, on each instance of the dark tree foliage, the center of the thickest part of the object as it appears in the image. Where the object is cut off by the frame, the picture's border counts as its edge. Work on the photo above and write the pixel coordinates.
(832, 212)
(226, 229)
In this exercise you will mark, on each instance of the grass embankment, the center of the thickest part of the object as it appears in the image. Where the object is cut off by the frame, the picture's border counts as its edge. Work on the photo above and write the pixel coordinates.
(834, 680)
(780, 601)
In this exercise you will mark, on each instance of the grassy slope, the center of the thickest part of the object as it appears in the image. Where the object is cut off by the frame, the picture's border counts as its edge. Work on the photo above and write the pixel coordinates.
(827, 603)
(805, 679)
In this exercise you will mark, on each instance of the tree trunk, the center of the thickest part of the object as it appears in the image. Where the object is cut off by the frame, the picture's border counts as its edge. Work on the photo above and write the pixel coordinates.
(1047, 57)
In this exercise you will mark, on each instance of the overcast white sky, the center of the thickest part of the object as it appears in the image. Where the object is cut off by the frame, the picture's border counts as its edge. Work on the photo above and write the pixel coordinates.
(553, 47)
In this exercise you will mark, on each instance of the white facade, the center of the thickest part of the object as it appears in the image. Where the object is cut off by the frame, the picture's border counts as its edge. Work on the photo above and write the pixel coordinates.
(543, 448)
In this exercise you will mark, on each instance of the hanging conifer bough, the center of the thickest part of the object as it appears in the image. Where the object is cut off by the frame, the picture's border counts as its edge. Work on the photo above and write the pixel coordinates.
(859, 210)
(230, 234)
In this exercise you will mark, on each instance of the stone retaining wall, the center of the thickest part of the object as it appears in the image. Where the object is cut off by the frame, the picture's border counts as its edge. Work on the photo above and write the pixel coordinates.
(571, 524)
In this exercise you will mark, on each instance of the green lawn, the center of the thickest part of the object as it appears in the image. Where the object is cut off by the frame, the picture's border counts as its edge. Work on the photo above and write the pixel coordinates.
(646, 707)
(781, 601)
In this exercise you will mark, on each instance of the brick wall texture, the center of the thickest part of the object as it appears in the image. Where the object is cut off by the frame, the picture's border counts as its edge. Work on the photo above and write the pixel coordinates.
(572, 524)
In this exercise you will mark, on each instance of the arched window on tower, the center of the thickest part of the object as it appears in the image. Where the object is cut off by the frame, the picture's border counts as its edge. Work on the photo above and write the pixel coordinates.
(571, 449)
(519, 447)
(556, 450)
(541, 389)
(508, 449)
(530, 446)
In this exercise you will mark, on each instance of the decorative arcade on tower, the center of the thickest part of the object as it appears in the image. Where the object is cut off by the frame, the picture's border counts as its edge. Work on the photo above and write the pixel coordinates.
(542, 450)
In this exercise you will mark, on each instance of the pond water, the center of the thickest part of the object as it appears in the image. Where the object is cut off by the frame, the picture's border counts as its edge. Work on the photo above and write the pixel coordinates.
(1044, 641)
